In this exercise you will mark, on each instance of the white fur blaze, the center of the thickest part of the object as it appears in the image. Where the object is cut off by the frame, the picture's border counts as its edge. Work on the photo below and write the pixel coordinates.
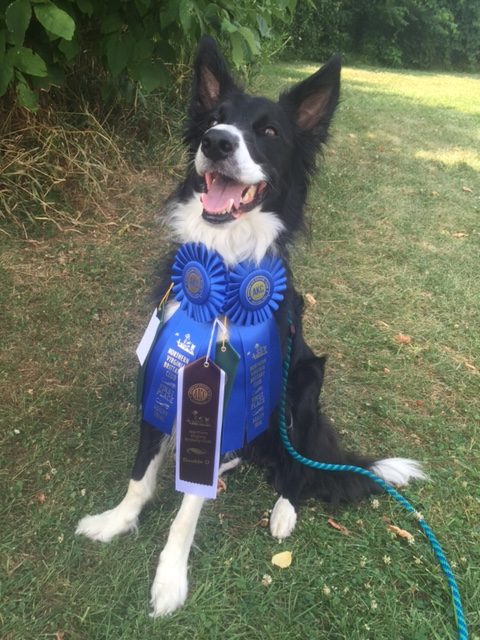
(283, 519)
(398, 471)
(247, 170)
(247, 238)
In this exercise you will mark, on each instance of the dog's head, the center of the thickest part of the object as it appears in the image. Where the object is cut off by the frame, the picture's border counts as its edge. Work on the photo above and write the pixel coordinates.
(252, 157)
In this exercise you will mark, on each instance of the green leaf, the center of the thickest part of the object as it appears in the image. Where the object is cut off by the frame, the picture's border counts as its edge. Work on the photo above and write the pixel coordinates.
(119, 51)
(69, 48)
(55, 20)
(143, 49)
(111, 22)
(228, 27)
(17, 17)
(85, 7)
(142, 6)
(169, 15)
(6, 75)
(263, 27)
(26, 97)
(185, 15)
(150, 75)
(55, 78)
(29, 62)
(238, 56)
(3, 45)
(250, 39)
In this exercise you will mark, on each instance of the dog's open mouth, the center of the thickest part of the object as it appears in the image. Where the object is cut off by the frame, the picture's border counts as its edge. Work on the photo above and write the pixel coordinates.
(226, 199)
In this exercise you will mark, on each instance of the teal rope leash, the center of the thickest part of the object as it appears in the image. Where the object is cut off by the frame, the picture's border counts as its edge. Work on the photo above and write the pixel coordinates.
(323, 466)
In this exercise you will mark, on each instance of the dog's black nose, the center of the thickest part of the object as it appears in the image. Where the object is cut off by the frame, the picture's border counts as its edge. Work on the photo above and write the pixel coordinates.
(219, 144)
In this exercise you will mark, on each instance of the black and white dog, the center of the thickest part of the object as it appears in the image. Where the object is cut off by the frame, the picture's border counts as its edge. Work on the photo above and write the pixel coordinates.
(243, 196)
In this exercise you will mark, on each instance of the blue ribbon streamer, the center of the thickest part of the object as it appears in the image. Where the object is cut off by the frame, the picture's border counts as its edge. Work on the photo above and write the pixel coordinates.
(180, 342)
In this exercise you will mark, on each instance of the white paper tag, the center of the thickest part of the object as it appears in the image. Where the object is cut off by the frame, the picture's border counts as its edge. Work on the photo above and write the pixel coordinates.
(143, 348)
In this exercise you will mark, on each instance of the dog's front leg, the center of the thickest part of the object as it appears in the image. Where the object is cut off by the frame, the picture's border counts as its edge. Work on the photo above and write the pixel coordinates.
(169, 589)
(123, 518)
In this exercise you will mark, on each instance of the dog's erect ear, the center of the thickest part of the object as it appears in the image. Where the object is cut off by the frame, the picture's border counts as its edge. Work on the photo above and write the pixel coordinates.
(313, 100)
(211, 79)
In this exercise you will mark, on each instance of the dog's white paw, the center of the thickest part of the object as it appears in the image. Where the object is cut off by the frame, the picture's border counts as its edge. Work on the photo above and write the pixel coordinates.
(283, 519)
(105, 526)
(169, 589)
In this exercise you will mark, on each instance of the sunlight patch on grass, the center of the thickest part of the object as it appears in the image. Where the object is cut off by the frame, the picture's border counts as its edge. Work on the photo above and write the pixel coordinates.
(451, 157)
(452, 91)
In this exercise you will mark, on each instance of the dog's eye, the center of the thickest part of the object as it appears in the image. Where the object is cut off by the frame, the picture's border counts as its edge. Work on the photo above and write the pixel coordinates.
(270, 131)
(212, 122)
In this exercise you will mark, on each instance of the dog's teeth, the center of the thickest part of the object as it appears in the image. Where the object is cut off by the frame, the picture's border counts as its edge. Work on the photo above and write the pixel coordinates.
(230, 205)
(250, 194)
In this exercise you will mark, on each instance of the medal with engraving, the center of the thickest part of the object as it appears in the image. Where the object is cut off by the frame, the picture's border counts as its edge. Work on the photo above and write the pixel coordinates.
(201, 387)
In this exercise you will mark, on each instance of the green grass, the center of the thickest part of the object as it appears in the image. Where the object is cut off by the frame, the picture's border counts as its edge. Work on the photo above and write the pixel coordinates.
(399, 182)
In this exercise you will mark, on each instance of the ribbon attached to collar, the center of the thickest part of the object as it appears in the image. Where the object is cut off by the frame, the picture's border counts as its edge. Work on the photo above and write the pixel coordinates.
(248, 294)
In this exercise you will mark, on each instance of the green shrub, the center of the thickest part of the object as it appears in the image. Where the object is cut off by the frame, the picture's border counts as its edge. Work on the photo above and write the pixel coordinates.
(414, 33)
(129, 44)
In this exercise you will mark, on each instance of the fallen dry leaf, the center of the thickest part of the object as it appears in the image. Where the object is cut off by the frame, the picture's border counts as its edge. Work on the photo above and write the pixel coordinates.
(282, 559)
(401, 533)
(467, 189)
(40, 497)
(60, 635)
(338, 527)
(310, 299)
(221, 486)
(401, 338)
(471, 367)
(386, 370)
(459, 234)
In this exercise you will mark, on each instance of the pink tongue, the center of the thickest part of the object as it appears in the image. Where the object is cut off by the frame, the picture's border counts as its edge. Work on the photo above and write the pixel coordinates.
(220, 193)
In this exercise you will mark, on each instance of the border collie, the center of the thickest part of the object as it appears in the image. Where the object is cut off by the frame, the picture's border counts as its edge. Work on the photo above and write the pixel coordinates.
(243, 196)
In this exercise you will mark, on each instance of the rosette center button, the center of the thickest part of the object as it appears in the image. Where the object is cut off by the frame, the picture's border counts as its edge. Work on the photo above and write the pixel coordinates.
(196, 283)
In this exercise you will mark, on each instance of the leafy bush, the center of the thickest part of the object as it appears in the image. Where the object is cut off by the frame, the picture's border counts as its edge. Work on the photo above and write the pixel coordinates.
(417, 33)
(128, 43)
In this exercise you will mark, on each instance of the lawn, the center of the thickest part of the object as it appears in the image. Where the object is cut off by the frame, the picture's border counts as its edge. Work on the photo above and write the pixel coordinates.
(392, 250)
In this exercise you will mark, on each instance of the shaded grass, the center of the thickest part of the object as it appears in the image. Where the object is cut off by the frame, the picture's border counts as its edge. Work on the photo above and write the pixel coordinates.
(382, 259)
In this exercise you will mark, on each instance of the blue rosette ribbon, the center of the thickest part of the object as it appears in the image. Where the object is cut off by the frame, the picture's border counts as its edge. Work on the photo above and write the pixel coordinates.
(199, 281)
(254, 293)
